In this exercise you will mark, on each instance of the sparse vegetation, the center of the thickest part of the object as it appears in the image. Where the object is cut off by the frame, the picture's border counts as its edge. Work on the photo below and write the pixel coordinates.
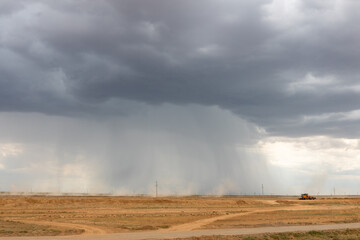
(50, 215)
(349, 234)
(289, 217)
(14, 228)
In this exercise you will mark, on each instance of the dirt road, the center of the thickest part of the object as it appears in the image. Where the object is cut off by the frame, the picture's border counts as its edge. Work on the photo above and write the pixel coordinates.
(179, 234)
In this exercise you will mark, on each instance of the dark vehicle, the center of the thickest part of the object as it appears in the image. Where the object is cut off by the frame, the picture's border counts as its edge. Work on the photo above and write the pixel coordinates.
(306, 196)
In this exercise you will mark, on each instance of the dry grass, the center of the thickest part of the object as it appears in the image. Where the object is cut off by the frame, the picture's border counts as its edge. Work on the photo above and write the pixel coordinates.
(283, 218)
(37, 215)
(349, 234)
(13, 228)
(113, 214)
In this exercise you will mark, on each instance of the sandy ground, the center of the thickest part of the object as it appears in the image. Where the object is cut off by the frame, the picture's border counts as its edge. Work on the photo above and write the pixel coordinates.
(149, 218)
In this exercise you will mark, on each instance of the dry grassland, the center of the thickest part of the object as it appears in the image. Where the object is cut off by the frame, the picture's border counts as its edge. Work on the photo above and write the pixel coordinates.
(348, 234)
(47, 215)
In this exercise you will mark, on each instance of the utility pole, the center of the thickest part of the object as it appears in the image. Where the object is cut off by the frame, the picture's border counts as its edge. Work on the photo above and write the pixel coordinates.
(262, 189)
(156, 186)
(334, 191)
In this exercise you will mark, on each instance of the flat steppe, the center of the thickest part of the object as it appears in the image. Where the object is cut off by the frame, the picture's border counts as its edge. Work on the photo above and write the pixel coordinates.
(100, 215)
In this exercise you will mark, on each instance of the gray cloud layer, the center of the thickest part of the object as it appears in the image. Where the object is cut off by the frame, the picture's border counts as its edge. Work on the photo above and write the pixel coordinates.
(275, 63)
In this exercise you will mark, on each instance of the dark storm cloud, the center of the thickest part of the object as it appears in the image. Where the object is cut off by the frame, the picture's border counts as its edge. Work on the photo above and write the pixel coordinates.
(272, 62)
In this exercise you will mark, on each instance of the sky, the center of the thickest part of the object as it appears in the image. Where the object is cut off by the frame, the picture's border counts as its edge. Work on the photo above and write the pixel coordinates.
(204, 97)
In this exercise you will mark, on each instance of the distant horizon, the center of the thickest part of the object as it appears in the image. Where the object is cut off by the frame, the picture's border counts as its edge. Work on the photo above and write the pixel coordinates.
(54, 194)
